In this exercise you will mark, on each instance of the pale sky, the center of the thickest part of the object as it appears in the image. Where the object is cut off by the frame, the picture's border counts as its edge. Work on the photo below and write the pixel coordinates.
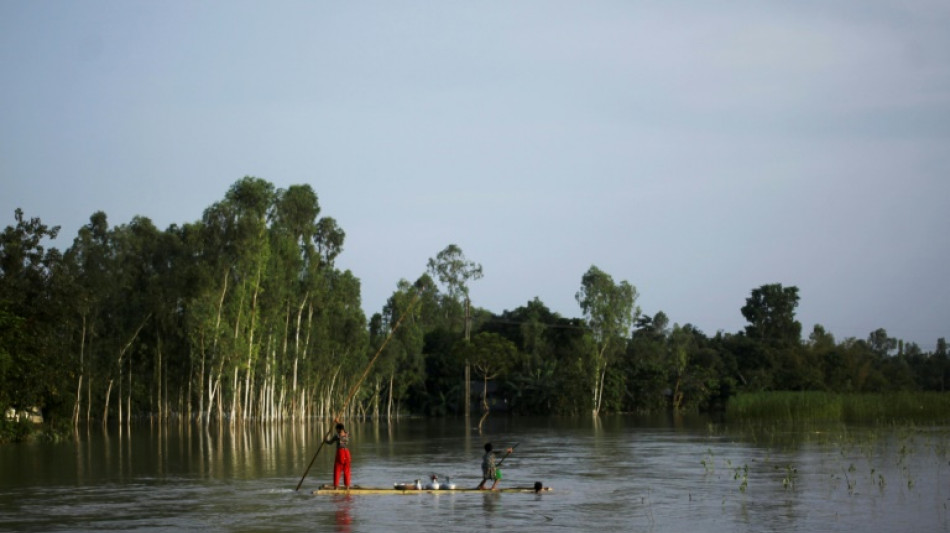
(695, 149)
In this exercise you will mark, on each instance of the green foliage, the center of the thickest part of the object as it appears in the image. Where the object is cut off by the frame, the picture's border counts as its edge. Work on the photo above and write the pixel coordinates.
(16, 431)
(770, 311)
(243, 315)
(238, 315)
(836, 407)
(454, 271)
(30, 316)
(490, 354)
(610, 310)
(11, 327)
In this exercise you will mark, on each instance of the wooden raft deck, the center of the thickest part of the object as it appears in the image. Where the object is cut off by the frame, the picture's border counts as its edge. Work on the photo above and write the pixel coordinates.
(359, 490)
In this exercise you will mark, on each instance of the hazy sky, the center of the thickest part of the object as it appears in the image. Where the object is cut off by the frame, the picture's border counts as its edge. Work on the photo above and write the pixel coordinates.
(696, 149)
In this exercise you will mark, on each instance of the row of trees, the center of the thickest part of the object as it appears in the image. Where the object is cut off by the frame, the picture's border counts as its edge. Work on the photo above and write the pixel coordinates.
(243, 315)
(617, 359)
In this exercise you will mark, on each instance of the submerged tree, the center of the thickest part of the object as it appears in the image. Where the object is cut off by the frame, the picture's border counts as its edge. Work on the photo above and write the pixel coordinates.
(610, 310)
(490, 355)
(454, 271)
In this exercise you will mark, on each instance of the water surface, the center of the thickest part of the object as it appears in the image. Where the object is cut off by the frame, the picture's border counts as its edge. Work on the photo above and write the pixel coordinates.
(624, 473)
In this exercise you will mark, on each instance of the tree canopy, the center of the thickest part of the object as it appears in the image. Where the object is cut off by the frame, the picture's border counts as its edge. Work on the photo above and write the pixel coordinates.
(243, 315)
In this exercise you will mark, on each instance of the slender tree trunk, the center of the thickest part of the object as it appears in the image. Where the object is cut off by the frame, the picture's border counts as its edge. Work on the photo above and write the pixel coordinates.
(250, 341)
(599, 373)
(201, 379)
(210, 397)
(468, 368)
(309, 380)
(122, 353)
(677, 395)
(105, 411)
(89, 401)
(82, 370)
(389, 402)
(263, 393)
(262, 401)
(485, 405)
(376, 398)
(119, 402)
(186, 409)
(600, 388)
(272, 392)
(236, 392)
(284, 347)
(220, 400)
(281, 407)
(168, 407)
(76, 407)
(213, 385)
(128, 398)
(303, 303)
(248, 393)
(158, 355)
(214, 347)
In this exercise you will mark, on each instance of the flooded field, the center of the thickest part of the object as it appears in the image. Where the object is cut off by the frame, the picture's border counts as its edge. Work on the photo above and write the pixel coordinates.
(626, 473)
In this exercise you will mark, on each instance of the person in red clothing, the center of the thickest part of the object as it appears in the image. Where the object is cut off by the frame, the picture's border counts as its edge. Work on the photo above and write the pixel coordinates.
(341, 465)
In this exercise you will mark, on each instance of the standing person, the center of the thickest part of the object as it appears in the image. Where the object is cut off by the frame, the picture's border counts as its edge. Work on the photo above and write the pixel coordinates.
(342, 462)
(489, 470)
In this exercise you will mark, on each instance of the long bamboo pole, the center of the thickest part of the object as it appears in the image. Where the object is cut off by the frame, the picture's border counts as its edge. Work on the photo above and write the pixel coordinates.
(357, 386)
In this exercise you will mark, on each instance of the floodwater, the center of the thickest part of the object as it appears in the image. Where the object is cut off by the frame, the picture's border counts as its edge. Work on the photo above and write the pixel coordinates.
(614, 474)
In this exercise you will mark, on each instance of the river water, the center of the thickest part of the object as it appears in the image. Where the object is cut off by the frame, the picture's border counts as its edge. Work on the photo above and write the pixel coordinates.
(614, 473)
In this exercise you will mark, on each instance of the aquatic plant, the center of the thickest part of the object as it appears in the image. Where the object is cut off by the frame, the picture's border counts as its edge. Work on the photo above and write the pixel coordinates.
(790, 474)
(708, 462)
(742, 473)
(901, 407)
(849, 481)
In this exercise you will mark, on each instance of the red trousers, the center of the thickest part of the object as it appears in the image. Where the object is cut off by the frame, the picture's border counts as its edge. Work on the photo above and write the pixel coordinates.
(341, 466)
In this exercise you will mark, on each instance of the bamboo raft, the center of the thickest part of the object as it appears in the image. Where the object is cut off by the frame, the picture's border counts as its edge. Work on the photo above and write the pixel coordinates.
(408, 489)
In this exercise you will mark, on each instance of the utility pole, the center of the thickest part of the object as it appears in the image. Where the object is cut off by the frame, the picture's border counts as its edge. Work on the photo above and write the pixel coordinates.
(468, 367)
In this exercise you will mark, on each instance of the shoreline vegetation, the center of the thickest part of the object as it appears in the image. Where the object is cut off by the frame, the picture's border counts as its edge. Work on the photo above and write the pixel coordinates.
(770, 407)
(243, 316)
(815, 406)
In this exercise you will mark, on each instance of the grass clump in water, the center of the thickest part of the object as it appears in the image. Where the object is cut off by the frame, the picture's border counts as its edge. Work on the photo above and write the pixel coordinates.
(837, 407)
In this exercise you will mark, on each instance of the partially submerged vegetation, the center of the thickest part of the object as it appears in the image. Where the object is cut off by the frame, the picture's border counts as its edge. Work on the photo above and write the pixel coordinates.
(815, 406)
(243, 315)
(27, 431)
(859, 444)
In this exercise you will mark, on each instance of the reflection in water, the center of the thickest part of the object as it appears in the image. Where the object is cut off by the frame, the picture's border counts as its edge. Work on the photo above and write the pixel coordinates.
(344, 515)
(665, 474)
(490, 502)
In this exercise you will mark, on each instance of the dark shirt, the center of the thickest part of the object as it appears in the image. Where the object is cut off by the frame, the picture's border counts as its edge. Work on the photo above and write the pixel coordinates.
(342, 442)
(488, 465)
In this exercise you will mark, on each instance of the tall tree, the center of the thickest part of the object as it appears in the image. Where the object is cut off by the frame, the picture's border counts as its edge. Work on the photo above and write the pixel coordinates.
(770, 311)
(880, 343)
(454, 271)
(91, 264)
(610, 310)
